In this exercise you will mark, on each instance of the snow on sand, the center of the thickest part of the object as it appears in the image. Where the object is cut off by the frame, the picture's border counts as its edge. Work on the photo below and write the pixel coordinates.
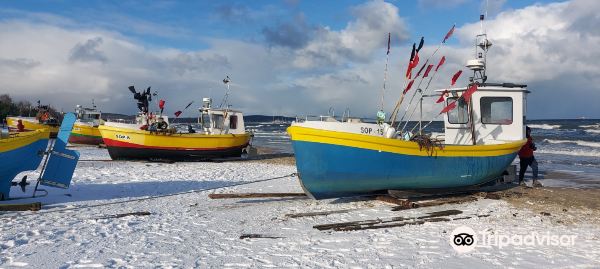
(191, 230)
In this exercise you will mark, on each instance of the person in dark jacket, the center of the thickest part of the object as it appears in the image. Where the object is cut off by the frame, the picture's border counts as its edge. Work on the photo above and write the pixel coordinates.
(526, 158)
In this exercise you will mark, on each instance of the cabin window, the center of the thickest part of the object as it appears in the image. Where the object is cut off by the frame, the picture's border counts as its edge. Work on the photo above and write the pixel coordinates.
(217, 121)
(233, 122)
(496, 110)
(459, 115)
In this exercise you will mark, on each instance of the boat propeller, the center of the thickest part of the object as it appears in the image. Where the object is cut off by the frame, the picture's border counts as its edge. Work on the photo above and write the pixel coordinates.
(23, 183)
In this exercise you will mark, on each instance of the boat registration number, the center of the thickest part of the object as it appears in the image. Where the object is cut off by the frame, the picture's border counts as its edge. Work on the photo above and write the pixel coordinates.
(370, 130)
(120, 136)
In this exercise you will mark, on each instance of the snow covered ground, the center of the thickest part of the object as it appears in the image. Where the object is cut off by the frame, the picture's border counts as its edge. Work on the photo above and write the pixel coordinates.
(75, 228)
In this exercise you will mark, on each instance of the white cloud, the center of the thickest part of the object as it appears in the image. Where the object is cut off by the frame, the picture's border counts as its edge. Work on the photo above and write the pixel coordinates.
(553, 49)
(358, 41)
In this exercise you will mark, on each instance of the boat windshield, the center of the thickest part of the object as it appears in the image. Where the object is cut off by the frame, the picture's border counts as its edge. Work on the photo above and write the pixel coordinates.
(218, 121)
(460, 115)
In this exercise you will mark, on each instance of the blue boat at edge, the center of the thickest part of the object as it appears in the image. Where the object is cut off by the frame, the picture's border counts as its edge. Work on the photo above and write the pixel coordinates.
(18, 153)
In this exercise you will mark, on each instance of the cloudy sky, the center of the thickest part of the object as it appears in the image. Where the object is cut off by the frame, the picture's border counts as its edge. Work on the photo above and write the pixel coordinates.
(292, 57)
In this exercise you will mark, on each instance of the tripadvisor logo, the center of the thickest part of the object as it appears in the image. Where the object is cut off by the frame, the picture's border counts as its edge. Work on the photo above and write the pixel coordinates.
(464, 239)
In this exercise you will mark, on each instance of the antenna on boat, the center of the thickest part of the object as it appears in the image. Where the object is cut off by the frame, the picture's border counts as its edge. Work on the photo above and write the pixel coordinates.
(482, 45)
(224, 102)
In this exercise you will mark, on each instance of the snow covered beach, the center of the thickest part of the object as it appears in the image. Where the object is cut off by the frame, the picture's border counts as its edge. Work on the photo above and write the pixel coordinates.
(81, 227)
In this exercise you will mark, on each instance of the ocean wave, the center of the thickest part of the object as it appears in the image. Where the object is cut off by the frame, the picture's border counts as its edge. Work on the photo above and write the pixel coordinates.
(593, 131)
(544, 126)
(578, 142)
(591, 126)
(584, 153)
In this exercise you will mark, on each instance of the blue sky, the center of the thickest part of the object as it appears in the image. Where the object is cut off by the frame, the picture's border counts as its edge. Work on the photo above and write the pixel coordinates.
(293, 57)
(193, 21)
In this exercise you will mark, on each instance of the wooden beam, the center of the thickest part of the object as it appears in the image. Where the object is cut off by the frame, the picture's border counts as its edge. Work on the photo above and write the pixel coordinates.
(386, 223)
(313, 214)
(21, 207)
(254, 195)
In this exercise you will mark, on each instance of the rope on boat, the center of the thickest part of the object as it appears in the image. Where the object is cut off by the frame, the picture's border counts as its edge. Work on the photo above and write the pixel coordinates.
(158, 196)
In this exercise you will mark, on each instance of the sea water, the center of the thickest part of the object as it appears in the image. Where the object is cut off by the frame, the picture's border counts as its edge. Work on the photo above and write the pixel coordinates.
(568, 151)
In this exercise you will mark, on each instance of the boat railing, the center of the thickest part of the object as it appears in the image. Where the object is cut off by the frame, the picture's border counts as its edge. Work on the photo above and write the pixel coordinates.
(326, 118)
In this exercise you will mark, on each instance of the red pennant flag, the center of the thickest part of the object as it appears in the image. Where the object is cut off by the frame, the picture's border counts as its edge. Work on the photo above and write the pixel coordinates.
(449, 107)
(389, 42)
(415, 61)
(455, 77)
(427, 71)
(442, 61)
(408, 86)
(412, 64)
(449, 34)
(467, 94)
(442, 97)
(161, 104)
(177, 114)
(421, 69)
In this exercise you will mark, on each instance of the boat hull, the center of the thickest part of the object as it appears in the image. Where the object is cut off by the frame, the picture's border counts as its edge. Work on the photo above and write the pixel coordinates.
(334, 164)
(126, 143)
(30, 124)
(85, 134)
(20, 153)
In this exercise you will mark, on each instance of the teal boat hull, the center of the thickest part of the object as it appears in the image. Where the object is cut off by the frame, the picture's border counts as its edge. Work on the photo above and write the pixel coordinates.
(333, 171)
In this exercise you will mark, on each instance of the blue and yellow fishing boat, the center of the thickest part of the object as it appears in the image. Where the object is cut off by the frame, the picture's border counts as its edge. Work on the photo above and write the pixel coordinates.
(20, 152)
(483, 131)
(338, 164)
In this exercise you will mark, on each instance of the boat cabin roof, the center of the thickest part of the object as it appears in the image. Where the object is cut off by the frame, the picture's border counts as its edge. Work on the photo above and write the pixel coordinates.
(220, 110)
(491, 87)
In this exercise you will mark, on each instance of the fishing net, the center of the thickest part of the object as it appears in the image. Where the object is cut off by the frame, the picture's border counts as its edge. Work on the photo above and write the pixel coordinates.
(431, 145)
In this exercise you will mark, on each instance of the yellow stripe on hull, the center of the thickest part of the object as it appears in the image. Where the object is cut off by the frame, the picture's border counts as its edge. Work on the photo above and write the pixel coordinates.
(172, 141)
(18, 140)
(397, 146)
(85, 130)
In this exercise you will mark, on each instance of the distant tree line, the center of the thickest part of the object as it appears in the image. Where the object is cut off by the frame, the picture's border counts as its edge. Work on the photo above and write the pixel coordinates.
(8, 107)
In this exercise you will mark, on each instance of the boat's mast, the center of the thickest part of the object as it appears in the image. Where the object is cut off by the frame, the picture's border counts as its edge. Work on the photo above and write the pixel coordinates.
(224, 102)
(478, 65)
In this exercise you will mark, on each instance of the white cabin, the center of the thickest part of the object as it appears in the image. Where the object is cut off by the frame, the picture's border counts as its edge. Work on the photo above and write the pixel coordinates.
(498, 115)
(88, 115)
(220, 120)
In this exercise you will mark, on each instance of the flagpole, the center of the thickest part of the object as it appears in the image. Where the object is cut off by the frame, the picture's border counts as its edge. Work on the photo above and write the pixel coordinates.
(407, 76)
(442, 61)
(399, 103)
(415, 93)
(387, 59)
(186, 107)
(450, 32)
